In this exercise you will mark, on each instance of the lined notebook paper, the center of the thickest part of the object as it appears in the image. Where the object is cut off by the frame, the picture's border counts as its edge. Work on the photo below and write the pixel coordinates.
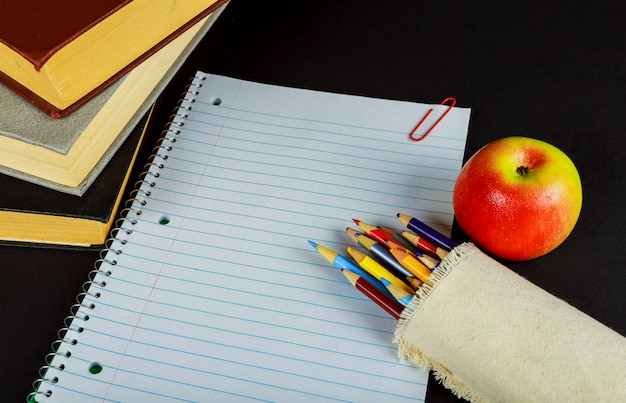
(210, 291)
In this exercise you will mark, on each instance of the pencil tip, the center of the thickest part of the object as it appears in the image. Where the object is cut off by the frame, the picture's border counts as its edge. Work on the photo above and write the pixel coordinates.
(352, 277)
(356, 221)
(398, 215)
(397, 252)
(313, 244)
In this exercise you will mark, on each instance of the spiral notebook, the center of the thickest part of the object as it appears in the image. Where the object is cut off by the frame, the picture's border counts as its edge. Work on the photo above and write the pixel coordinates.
(209, 290)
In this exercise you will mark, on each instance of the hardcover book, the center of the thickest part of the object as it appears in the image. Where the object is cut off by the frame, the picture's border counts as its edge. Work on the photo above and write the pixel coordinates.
(32, 214)
(68, 154)
(59, 53)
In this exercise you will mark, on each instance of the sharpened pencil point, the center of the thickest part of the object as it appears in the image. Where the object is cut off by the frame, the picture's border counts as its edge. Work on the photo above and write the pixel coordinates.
(313, 244)
(352, 277)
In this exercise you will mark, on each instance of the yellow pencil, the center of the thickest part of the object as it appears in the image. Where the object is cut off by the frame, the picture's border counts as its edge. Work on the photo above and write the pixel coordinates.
(411, 263)
(377, 270)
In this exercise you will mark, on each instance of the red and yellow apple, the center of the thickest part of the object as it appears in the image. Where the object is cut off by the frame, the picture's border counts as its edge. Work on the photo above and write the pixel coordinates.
(518, 197)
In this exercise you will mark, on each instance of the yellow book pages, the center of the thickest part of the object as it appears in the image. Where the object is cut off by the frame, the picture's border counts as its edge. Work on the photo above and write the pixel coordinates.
(104, 50)
(59, 229)
(70, 169)
(23, 227)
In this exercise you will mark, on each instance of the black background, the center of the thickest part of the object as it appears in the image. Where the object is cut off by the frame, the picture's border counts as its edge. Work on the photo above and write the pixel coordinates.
(550, 70)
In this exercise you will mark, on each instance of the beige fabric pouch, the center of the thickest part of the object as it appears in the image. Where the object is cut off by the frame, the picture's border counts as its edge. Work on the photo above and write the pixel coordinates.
(491, 336)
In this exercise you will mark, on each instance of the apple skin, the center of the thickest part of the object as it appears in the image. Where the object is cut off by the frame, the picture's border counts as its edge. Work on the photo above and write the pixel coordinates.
(518, 197)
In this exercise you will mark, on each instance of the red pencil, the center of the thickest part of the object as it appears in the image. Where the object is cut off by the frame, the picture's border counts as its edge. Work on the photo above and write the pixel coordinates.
(392, 307)
(425, 246)
(376, 233)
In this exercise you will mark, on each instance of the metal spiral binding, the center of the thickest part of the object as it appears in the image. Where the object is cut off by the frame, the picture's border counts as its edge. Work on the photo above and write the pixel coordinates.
(96, 278)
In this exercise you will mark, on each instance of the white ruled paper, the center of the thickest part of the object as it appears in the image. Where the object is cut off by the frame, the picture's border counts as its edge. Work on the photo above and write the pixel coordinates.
(227, 301)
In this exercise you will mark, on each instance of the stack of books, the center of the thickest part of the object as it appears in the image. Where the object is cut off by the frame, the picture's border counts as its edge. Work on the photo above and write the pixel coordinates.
(79, 82)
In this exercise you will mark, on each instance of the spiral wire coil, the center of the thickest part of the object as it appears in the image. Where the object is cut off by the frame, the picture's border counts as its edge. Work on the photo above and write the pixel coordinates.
(68, 335)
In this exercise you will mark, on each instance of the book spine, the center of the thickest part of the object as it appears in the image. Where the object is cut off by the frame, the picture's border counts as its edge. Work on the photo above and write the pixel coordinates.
(76, 322)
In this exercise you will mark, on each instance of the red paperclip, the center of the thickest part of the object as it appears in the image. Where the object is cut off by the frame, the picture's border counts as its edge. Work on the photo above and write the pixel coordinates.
(412, 134)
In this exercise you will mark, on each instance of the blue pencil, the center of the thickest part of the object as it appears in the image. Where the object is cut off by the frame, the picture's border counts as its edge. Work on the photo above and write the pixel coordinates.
(341, 262)
(434, 237)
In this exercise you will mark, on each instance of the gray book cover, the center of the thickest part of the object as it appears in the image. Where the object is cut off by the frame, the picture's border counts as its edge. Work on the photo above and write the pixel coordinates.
(21, 121)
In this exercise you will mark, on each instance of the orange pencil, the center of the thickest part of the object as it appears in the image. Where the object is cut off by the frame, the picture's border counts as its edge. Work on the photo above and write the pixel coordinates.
(426, 259)
(353, 234)
(412, 264)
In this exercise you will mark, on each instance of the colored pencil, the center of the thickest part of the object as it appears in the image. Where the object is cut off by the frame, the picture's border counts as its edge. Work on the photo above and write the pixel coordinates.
(341, 262)
(353, 234)
(415, 282)
(391, 306)
(382, 254)
(427, 232)
(421, 243)
(377, 270)
(375, 232)
(428, 260)
(400, 294)
(412, 264)
(400, 239)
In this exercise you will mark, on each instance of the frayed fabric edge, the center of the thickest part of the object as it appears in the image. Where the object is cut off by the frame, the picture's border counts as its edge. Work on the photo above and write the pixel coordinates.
(413, 353)
(440, 272)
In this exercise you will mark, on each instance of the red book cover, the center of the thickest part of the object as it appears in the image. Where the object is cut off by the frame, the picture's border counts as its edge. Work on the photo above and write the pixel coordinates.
(38, 29)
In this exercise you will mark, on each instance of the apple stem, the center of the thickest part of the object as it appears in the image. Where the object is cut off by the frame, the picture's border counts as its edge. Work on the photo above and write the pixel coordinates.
(522, 170)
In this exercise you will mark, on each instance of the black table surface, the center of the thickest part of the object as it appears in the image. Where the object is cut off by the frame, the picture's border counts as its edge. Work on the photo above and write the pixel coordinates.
(550, 70)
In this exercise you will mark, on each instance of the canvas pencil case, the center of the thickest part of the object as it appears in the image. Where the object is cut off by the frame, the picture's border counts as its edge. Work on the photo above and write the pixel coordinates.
(490, 335)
